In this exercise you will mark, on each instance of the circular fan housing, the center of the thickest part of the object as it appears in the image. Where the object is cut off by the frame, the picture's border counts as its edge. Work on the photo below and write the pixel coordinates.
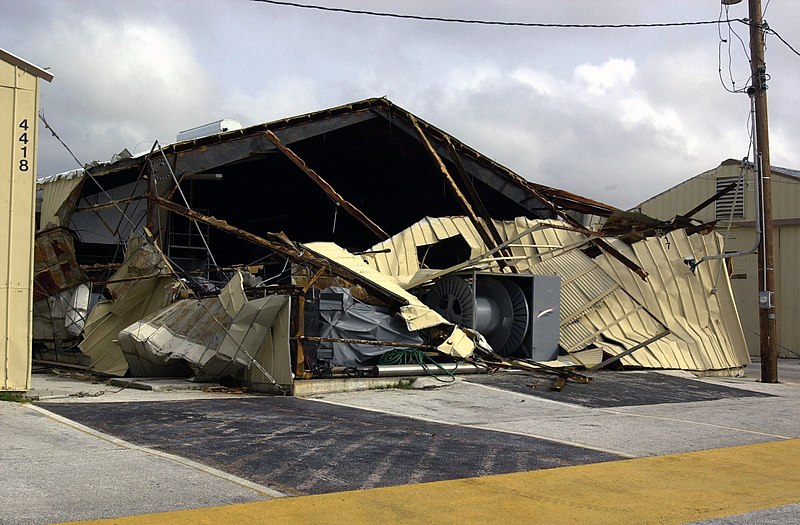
(521, 317)
(500, 309)
(451, 297)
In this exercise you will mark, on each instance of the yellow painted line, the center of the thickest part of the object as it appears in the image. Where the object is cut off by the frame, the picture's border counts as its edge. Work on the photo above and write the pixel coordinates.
(673, 489)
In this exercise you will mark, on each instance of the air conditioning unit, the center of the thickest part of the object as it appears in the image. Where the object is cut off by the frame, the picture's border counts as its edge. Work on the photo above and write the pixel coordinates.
(213, 128)
(519, 315)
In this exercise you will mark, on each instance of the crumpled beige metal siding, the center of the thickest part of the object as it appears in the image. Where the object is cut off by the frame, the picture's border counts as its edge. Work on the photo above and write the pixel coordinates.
(55, 191)
(698, 307)
(603, 302)
(401, 260)
(142, 287)
(588, 294)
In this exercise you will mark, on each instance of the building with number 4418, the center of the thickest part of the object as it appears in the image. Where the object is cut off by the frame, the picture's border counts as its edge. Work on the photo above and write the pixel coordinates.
(19, 105)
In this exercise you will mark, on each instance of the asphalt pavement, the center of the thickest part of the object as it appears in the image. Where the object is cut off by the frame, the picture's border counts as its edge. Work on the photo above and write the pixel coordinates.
(88, 451)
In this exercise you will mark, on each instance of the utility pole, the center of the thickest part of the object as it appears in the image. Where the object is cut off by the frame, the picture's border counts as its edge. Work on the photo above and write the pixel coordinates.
(766, 268)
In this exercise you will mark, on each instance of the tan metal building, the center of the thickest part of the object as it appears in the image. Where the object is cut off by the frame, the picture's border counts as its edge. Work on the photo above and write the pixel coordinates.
(736, 213)
(19, 107)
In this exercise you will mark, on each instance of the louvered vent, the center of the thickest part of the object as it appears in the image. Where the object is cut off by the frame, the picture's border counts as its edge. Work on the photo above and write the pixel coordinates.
(731, 201)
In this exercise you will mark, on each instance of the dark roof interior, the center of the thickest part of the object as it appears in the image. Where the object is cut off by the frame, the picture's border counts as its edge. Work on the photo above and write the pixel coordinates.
(369, 152)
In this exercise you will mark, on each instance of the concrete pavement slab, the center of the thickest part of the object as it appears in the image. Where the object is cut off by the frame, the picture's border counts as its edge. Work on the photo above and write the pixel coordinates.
(82, 387)
(784, 515)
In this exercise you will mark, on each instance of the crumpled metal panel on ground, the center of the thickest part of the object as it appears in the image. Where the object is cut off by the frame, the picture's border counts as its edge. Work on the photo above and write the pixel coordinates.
(261, 331)
(603, 302)
(142, 287)
(211, 338)
(182, 339)
(164, 343)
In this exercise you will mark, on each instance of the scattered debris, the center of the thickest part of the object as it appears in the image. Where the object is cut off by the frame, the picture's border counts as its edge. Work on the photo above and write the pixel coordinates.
(517, 282)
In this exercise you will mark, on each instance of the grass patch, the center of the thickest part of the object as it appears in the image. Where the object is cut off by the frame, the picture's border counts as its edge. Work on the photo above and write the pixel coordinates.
(403, 384)
(14, 397)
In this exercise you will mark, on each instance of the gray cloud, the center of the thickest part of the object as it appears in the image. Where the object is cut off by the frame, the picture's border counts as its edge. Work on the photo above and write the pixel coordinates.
(616, 115)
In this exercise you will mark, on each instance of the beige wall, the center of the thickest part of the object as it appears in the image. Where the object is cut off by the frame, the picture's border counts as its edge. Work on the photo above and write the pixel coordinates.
(18, 103)
(742, 236)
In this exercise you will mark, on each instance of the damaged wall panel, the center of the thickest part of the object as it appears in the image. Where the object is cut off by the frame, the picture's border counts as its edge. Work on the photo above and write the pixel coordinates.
(262, 328)
(55, 268)
(209, 339)
(142, 287)
(398, 255)
(698, 307)
(592, 303)
(601, 305)
(177, 341)
(55, 191)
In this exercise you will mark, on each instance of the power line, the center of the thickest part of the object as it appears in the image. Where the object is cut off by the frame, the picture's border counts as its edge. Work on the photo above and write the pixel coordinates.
(495, 22)
(771, 31)
(727, 41)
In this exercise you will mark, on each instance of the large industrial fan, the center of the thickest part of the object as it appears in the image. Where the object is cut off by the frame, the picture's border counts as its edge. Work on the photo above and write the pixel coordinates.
(501, 308)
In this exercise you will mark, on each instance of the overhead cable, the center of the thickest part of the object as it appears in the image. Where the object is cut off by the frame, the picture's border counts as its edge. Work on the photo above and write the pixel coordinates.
(494, 22)
(771, 31)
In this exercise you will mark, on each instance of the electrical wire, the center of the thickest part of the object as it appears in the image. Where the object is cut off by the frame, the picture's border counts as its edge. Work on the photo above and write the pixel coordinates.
(406, 356)
(491, 22)
(788, 350)
(766, 6)
(771, 31)
(725, 19)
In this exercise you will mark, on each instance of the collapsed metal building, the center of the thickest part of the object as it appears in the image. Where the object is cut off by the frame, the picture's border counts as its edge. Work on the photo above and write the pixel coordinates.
(323, 242)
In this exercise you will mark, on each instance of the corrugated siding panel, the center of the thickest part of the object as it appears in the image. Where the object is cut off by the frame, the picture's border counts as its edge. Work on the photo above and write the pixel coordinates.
(707, 323)
(401, 260)
(594, 307)
(785, 197)
(604, 303)
(53, 196)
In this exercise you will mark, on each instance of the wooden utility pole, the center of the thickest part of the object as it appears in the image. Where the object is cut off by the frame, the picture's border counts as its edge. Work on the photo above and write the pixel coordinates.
(766, 268)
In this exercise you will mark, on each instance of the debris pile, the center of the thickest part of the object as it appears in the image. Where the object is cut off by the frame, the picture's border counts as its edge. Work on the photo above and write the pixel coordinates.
(417, 252)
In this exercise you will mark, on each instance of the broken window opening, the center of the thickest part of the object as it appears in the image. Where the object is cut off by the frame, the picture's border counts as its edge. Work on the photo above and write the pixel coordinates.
(444, 254)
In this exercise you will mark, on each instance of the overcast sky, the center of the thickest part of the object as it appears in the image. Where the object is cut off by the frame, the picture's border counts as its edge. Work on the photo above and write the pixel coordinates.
(617, 115)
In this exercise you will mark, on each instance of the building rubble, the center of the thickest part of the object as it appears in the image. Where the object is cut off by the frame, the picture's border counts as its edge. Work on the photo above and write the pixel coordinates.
(336, 242)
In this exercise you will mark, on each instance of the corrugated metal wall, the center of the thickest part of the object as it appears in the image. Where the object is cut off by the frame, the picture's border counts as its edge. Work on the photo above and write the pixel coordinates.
(603, 303)
(741, 236)
(18, 110)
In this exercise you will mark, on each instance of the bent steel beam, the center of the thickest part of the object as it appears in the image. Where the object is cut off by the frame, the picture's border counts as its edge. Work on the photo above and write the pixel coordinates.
(326, 187)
